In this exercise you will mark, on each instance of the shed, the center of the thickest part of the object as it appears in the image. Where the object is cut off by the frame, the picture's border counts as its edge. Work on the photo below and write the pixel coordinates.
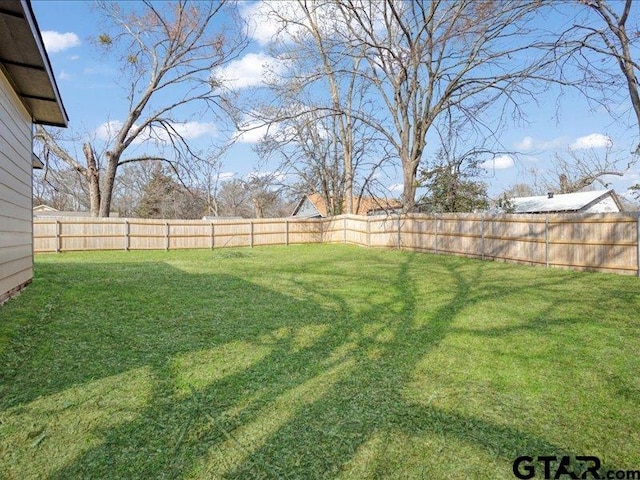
(598, 201)
(314, 205)
(28, 95)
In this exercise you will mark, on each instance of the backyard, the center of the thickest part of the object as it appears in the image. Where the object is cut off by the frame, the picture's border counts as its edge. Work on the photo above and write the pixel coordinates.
(314, 361)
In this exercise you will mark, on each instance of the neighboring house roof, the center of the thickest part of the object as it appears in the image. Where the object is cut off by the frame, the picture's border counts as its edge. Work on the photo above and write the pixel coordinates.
(47, 211)
(24, 61)
(596, 201)
(314, 205)
(44, 208)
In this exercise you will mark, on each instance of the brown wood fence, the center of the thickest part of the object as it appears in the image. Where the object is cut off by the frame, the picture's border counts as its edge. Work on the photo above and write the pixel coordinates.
(602, 242)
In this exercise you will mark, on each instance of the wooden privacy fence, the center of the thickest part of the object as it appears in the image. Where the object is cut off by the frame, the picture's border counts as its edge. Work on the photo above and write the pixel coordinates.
(603, 242)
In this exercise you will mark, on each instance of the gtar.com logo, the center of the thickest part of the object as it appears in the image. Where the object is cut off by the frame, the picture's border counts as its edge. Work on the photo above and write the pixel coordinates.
(567, 467)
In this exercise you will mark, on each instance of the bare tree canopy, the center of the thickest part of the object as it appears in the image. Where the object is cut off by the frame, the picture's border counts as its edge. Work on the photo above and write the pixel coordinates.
(166, 52)
(579, 170)
(425, 59)
(596, 54)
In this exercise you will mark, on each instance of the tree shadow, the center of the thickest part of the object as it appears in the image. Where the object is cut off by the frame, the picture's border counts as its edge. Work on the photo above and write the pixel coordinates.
(316, 385)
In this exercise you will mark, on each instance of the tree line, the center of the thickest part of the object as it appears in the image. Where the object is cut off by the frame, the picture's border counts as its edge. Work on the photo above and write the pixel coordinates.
(356, 89)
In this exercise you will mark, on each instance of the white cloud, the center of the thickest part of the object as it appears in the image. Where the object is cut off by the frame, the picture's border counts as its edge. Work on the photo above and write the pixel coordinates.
(595, 140)
(64, 75)
(108, 130)
(500, 162)
(57, 42)
(396, 187)
(525, 144)
(285, 20)
(249, 71)
(253, 132)
(192, 130)
(530, 143)
(225, 176)
(262, 27)
(187, 130)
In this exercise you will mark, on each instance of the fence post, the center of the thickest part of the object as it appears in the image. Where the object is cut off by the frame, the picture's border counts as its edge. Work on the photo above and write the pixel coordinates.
(344, 230)
(167, 237)
(638, 242)
(482, 233)
(251, 234)
(437, 221)
(546, 241)
(286, 232)
(126, 235)
(213, 235)
(368, 232)
(399, 232)
(58, 237)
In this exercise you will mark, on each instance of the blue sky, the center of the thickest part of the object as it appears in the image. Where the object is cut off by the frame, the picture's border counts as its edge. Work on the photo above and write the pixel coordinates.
(92, 99)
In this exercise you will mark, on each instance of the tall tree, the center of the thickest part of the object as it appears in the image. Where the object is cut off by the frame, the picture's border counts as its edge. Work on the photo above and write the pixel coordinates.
(429, 58)
(598, 54)
(166, 52)
(313, 100)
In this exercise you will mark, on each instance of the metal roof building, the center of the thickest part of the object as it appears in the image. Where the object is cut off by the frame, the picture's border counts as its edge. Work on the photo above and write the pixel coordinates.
(599, 201)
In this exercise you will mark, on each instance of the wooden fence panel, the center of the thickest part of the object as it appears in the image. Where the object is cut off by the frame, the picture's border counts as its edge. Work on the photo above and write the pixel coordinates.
(333, 229)
(305, 231)
(356, 230)
(383, 232)
(269, 232)
(419, 233)
(45, 236)
(602, 242)
(146, 235)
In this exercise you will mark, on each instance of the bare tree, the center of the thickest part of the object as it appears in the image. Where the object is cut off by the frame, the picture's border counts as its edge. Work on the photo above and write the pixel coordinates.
(166, 52)
(316, 96)
(311, 151)
(601, 43)
(257, 196)
(426, 58)
(580, 170)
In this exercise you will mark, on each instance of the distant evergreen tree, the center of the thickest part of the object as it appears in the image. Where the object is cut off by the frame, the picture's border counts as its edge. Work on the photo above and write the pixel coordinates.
(452, 190)
(164, 197)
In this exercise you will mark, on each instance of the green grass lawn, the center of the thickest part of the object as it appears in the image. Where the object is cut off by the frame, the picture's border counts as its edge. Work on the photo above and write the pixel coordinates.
(314, 362)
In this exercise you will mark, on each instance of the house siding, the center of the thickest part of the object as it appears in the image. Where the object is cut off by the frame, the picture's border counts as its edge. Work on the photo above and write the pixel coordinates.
(16, 224)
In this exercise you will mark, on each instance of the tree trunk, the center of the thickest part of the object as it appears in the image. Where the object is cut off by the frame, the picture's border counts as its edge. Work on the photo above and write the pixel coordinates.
(348, 180)
(109, 181)
(92, 173)
(409, 173)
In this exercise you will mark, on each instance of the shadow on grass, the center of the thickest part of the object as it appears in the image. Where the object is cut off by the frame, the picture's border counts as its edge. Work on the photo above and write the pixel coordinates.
(281, 404)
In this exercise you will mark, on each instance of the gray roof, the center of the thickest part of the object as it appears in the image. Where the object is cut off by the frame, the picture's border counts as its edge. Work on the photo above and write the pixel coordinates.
(564, 202)
(24, 60)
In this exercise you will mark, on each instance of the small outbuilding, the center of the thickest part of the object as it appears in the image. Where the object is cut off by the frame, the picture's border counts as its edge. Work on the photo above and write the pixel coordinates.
(28, 95)
(598, 201)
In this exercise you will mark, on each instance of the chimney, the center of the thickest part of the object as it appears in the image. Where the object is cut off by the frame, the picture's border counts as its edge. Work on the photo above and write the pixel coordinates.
(549, 194)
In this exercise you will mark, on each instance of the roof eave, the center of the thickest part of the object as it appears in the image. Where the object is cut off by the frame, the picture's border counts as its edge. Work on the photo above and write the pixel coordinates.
(39, 105)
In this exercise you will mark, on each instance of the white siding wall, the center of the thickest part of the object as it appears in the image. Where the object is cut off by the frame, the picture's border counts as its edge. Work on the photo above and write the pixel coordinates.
(16, 225)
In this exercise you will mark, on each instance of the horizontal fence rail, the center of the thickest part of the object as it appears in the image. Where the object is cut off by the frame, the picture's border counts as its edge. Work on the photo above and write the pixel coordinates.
(602, 242)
